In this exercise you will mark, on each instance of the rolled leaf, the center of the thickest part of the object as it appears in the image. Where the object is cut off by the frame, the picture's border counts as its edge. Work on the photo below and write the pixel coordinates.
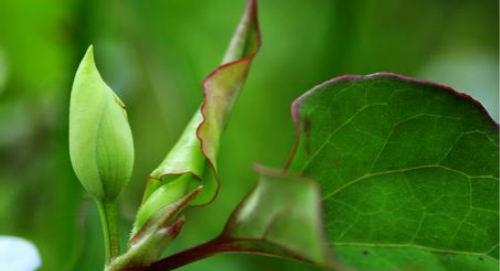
(148, 245)
(162, 197)
(195, 153)
(100, 139)
(222, 86)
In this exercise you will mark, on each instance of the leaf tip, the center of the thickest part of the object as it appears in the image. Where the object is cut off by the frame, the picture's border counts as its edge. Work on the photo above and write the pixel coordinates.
(88, 58)
(90, 50)
(87, 65)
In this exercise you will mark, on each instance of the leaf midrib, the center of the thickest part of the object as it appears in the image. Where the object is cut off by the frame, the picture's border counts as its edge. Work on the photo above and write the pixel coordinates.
(369, 175)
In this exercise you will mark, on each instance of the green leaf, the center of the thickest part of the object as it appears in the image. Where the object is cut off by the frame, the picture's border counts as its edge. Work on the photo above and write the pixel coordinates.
(280, 217)
(222, 86)
(147, 245)
(408, 172)
(162, 197)
(100, 140)
(192, 161)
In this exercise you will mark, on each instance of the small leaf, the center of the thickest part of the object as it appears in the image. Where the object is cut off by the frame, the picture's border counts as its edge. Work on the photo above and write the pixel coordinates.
(147, 245)
(408, 171)
(280, 217)
(100, 140)
(164, 196)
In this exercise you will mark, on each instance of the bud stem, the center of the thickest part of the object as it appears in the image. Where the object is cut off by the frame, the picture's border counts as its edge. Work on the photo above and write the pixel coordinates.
(108, 214)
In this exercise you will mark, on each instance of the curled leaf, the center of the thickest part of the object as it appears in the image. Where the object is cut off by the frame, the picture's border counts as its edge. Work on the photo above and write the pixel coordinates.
(195, 152)
(148, 244)
(222, 86)
(164, 196)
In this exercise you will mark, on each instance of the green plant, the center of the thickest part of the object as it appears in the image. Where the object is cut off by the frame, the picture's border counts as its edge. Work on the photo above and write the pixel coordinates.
(408, 173)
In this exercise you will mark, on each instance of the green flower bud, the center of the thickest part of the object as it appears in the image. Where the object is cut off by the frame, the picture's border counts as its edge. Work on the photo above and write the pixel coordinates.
(100, 140)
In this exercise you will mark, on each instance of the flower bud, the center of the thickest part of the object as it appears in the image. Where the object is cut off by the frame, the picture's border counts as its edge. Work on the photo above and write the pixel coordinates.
(100, 140)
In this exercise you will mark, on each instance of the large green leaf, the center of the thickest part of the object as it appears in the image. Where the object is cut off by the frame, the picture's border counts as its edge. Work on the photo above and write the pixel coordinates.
(408, 171)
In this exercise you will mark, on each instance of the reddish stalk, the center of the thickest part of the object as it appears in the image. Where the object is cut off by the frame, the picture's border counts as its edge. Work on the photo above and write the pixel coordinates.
(218, 245)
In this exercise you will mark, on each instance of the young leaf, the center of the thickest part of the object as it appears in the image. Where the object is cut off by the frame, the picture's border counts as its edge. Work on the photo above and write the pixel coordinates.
(100, 140)
(280, 217)
(149, 243)
(222, 86)
(192, 161)
(408, 171)
(200, 140)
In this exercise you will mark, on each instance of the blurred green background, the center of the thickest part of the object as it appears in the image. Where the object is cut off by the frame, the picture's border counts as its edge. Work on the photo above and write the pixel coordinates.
(154, 54)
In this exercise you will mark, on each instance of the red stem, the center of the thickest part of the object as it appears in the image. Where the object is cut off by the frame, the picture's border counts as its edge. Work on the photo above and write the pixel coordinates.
(218, 245)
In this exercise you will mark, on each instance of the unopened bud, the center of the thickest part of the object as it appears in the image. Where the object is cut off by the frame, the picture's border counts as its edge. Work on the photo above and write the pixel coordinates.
(100, 140)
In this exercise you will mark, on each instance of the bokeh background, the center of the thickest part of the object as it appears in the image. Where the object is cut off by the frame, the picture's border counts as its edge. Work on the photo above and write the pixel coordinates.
(154, 54)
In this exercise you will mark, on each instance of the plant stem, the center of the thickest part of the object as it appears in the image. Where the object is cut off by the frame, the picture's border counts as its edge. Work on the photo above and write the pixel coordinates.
(108, 214)
(221, 244)
(199, 252)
